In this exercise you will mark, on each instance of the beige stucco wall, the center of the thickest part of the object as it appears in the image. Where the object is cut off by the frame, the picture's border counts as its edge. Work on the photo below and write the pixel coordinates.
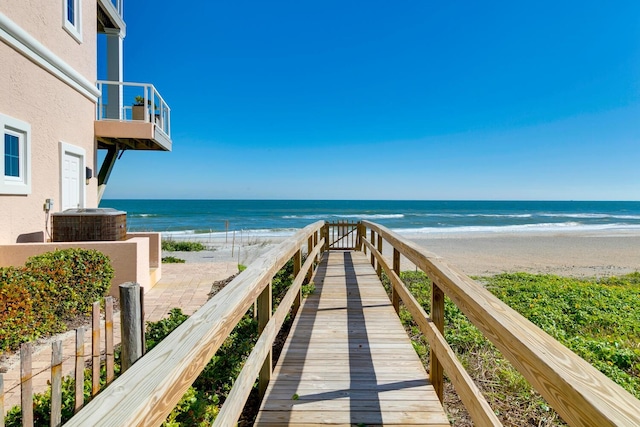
(129, 258)
(43, 19)
(55, 111)
(155, 247)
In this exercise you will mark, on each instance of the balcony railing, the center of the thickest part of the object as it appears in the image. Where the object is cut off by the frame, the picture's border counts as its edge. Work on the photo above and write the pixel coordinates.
(126, 102)
(118, 5)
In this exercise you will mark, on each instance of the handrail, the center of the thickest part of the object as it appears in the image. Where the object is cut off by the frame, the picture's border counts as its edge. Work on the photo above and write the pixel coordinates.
(580, 393)
(147, 392)
(112, 106)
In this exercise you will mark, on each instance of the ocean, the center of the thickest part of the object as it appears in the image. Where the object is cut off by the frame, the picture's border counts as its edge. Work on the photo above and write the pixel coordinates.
(283, 217)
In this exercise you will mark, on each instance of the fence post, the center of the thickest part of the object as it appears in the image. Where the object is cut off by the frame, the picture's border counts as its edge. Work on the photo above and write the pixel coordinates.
(56, 384)
(130, 324)
(264, 314)
(108, 338)
(395, 298)
(436, 374)
(1, 400)
(26, 389)
(95, 349)
(79, 401)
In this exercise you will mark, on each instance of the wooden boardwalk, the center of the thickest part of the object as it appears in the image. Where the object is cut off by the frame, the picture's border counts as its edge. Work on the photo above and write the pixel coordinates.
(348, 360)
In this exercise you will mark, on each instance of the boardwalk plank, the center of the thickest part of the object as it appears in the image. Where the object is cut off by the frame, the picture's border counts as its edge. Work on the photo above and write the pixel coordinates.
(348, 359)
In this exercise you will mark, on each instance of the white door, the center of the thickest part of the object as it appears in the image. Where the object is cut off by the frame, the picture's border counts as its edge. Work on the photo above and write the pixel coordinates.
(72, 179)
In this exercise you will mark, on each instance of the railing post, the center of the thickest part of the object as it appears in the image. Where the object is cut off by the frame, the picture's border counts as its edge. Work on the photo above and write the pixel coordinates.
(264, 304)
(315, 243)
(436, 374)
(325, 231)
(379, 268)
(373, 243)
(297, 266)
(130, 324)
(363, 237)
(395, 298)
(309, 249)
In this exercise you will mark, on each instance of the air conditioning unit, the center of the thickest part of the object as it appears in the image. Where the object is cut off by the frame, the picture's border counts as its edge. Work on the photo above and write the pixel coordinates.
(87, 225)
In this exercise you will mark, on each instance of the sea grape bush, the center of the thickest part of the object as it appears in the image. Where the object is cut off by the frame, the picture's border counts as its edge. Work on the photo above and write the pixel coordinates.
(597, 319)
(36, 300)
(175, 246)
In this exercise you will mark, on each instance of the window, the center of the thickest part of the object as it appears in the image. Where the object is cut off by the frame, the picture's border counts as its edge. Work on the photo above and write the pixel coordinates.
(15, 173)
(12, 155)
(71, 12)
(71, 18)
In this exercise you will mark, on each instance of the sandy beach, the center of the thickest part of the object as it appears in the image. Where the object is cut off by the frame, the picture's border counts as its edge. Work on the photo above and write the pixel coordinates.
(570, 253)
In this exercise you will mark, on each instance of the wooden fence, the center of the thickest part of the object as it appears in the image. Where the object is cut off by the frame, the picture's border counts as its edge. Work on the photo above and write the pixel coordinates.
(580, 393)
(146, 393)
(98, 358)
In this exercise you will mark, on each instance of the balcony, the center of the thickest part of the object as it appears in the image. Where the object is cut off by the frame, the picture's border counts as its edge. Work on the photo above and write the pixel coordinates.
(132, 116)
(110, 16)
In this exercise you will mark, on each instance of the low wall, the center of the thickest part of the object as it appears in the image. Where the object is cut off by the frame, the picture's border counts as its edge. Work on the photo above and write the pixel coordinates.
(132, 259)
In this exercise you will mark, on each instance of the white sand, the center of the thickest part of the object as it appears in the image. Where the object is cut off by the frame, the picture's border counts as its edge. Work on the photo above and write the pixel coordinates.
(572, 253)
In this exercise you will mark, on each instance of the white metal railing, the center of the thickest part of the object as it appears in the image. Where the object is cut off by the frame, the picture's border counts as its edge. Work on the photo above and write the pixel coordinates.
(118, 5)
(125, 101)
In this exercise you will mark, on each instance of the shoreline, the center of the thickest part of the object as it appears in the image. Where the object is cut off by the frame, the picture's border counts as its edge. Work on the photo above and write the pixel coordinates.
(572, 253)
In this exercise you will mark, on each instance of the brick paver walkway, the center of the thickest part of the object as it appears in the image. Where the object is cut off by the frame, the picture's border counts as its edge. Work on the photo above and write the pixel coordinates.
(182, 285)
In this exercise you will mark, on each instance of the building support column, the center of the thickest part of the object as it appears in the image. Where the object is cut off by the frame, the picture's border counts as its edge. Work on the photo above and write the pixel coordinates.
(114, 101)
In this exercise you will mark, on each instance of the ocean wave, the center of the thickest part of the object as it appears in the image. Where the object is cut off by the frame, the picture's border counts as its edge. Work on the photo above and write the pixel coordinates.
(474, 215)
(542, 227)
(589, 216)
(356, 216)
(200, 234)
(142, 215)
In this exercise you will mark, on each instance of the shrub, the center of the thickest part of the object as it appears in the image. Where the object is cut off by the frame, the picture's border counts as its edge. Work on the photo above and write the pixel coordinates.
(172, 260)
(49, 289)
(173, 246)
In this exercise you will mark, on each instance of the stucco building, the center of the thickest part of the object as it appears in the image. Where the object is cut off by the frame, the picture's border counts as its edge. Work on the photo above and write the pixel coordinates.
(55, 116)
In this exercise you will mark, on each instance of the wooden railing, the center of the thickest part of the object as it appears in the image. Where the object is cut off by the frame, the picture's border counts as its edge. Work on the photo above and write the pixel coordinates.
(581, 394)
(146, 393)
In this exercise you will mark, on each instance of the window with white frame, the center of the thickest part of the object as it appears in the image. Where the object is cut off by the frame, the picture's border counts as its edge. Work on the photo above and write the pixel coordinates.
(15, 149)
(71, 18)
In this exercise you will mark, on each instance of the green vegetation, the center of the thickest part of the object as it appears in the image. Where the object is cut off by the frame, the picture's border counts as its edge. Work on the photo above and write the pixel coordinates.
(241, 268)
(37, 299)
(598, 320)
(202, 401)
(172, 260)
(200, 404)
(173, 246)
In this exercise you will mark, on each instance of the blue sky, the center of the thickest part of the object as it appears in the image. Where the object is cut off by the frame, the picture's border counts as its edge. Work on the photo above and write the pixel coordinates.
(388, 100)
